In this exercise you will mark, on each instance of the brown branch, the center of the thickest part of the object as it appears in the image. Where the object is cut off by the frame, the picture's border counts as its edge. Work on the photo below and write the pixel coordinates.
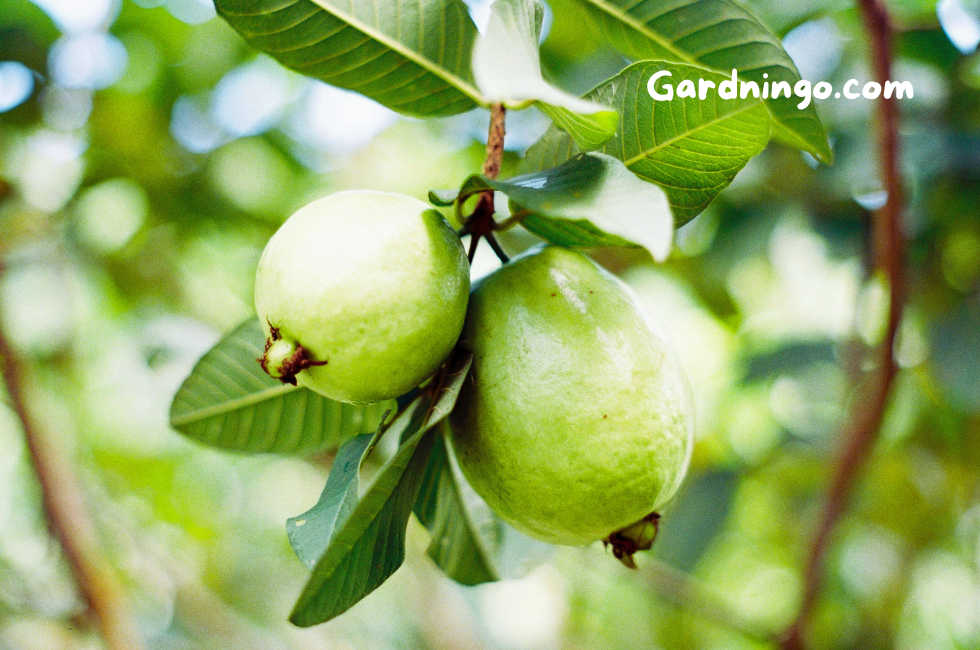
(481, 223)
(697, 599)
(66, 514)
(888, 252)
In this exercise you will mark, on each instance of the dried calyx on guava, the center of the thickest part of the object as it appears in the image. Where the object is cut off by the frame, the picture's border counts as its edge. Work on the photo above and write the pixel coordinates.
(362, 295)
(575, 423)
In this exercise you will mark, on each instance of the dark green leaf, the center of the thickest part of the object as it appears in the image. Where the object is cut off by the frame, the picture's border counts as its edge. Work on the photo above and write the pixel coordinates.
(464, 530)
(691, 148)
(412, 56)
(720, 35)
(369, 545)
(228, 401)
(470, 543)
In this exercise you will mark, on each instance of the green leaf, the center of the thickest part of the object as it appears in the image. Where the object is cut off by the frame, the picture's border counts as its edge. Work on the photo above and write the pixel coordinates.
(691, 148)
(464, 530)
(370, 543)
(590, 200)
(443, 198)
(593, 200)
(228, 401)
(310, 532)
(507, 69)
(470, 543)
(410, 55)
(718, 34)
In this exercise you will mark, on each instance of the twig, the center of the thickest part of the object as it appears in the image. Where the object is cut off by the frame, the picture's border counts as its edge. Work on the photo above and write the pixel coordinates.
(695, 598)
(501, 255)
(481, 222)
(495, 142)
(888, 251)
(67, 517)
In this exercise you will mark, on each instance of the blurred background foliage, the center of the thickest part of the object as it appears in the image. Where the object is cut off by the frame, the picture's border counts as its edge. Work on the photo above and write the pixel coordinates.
(148, 155)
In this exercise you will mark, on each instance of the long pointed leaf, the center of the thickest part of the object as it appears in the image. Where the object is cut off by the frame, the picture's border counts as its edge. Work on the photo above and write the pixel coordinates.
(370, 543)
(310, 532)
(691, 148)
(413, 56)
(718, 34)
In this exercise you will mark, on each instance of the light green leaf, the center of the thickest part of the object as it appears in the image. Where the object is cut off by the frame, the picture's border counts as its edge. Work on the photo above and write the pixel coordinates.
(587, 201)
(690, 148)
(228, 401)
(507, 69)
(718, 34)
(593, 200)
(413, 56)
(369, 544)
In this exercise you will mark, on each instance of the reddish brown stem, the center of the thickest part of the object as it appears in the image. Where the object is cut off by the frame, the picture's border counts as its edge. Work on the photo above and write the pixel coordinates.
(481, 222)
(888, 251)
(495, 142)
(67, 516)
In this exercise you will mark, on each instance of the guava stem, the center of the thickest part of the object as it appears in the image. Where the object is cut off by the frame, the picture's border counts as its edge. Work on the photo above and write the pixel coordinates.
(481, 223)
(635, 537)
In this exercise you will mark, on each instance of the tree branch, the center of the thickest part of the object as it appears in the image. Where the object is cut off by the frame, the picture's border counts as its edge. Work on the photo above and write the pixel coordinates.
(481, 222)
(66, 514)
(888, 251)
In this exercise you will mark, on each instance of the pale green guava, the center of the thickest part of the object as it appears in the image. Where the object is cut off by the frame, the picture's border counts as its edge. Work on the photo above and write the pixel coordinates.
(362, 294)
(576, 421)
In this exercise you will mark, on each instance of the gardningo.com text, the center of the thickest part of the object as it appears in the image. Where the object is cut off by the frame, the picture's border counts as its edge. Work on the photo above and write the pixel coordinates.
(662, 90)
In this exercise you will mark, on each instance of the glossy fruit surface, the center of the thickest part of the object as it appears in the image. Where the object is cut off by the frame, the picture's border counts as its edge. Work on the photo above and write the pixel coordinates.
(576, 419)
(362, 294)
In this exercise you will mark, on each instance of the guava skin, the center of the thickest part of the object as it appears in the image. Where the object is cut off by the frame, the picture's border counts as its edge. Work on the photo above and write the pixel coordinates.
(576, 419)
(372, 285)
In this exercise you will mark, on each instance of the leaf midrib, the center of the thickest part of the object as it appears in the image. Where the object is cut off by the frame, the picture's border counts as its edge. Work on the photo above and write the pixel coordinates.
(231, 405)
(647, 152)
(467, 89)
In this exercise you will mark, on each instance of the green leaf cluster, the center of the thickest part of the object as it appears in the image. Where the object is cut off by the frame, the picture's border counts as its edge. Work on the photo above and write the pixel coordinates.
(427, 59)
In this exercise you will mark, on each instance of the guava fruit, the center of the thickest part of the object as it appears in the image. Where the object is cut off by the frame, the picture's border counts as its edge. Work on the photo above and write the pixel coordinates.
(575, 423)
(362, 294)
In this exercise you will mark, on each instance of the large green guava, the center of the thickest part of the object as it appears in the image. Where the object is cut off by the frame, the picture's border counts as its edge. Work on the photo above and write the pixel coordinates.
(575, 422)
(363, 295)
